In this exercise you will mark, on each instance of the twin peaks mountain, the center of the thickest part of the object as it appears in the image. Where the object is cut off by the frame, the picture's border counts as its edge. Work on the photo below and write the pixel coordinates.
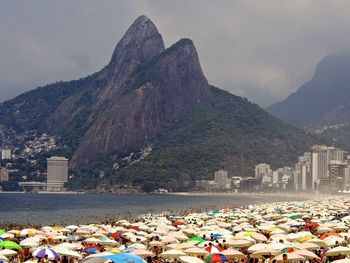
(150, 118)
(322, 105)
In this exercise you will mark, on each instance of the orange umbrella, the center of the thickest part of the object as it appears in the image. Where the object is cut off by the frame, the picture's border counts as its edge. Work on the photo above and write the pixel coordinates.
(330, 234)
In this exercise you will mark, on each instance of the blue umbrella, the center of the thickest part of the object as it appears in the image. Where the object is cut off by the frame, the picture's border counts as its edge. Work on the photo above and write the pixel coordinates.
(41, 252)
(125, 258)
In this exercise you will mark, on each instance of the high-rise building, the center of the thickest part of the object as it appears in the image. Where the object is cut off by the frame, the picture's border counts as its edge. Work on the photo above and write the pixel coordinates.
(336, 170)
(335, 154)
(57, 173)
(319, 167)
(262, 170)
(220, 178)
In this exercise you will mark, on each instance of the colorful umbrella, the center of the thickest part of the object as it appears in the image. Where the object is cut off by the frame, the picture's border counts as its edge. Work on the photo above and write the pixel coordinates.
(216, 258)
(289, 249)
(92, 249)
(213, 249)
(195, 240)
(330, 234)
(125, 257)
(9, 245)
(41, 252)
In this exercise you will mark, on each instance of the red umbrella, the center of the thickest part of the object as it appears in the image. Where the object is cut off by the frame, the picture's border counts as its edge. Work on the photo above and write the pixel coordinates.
(117, 235)
(311, 225)
(330, 234)
(213, 249)
(177, 223)
(135, 228)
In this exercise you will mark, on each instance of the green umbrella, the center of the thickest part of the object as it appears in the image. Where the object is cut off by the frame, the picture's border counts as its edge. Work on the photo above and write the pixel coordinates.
(9, 245)
(2, 232)
(294, 217)
(195, 239)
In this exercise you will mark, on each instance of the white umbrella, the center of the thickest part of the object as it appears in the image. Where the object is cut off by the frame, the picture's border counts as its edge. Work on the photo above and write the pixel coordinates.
(172, 254)
(290, 257)
(189, 259)
(142, 253)
(340, 250)
(68, 253)
(196, 251)
(8, 252)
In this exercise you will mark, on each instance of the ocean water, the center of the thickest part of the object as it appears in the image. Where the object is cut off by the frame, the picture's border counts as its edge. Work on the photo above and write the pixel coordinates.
(92, 208)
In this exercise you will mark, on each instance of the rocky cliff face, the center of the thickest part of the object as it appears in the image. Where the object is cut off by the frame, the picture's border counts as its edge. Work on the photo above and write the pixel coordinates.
(142, 87)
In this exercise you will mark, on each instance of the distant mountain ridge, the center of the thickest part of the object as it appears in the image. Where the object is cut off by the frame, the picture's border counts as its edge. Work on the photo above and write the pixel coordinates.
(149, 95)
(321, 105)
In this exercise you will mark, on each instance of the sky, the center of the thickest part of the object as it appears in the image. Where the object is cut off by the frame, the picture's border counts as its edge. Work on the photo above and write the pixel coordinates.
(259, 49)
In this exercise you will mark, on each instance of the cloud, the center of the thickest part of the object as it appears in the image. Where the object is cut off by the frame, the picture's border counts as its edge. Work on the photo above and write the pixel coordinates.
(262, 50)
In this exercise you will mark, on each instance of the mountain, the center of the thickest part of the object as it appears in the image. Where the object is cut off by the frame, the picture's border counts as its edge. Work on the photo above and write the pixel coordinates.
(150, 118)
(321, 105)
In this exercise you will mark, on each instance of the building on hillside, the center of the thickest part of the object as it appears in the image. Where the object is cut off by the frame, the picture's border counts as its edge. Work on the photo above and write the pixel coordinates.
(57, 173)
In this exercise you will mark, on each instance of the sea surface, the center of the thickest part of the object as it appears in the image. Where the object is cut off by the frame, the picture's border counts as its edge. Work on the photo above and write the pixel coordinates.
(45, 209)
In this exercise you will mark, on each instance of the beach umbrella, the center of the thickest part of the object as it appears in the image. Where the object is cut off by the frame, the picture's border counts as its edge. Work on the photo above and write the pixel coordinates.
(259, 237)
(196, 251)
(290, 257)
(92, 249)
(330, 234)
(30, 242)
(216, 258)
(68, 253)
(262, 253)
(289, 249)
(41, 252)
(317, 241)
(9, 245)
(195, 240)
(213, 249)
(345, 260)
(307, 254)
(172, 254)
(189, 259)
(142, 253)
(336, 251)
(232, 253)
(8, 252)
(3, 259)
(257, 247)
(125, 257)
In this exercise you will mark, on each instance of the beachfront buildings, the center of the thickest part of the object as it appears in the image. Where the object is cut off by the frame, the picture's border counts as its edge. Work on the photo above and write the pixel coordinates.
(324, 169)
(57, 173)
(4, 174)
(221, 182)
(6, 154)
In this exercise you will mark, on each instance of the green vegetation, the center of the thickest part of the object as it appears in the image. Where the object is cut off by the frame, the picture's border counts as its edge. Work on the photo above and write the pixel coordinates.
(229, 131)
(31, 109)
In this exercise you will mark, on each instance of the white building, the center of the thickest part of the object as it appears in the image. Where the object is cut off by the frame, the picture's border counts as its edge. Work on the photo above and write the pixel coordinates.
(57, 173)
(319, 161)
(4, 174)
(262, 170)
(6, 154)
(221, 179)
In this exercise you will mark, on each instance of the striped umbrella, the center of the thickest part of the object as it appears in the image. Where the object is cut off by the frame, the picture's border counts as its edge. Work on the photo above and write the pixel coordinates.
(41, 252)
(216, 258)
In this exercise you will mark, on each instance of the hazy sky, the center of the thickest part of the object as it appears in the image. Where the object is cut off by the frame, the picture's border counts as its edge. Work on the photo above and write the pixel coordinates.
(262, 49)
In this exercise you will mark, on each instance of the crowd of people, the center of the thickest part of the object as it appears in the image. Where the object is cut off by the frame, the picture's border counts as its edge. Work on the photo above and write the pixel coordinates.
(298, 231)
